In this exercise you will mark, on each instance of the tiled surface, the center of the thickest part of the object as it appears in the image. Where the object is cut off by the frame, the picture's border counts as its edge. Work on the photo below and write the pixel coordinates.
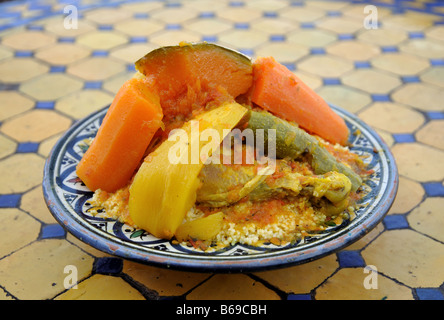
(392, 77)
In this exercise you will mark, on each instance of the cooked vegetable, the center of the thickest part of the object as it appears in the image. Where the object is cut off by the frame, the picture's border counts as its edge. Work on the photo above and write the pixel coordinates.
(280, 91)
(163, 191)
(224, 185)
(191, 75)
(125, 133)
(293, 142)
(205, 228)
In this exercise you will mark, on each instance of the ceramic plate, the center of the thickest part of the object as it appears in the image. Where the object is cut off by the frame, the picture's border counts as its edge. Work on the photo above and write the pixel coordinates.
(67, 197)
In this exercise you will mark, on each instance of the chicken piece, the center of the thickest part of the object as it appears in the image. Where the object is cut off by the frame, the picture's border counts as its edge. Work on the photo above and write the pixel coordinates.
(222, 185)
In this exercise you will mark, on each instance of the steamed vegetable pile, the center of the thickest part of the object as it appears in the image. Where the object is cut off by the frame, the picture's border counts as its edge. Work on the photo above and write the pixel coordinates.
(195, 87)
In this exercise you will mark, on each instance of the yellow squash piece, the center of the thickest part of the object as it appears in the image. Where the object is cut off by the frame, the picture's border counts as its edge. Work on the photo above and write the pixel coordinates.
(201, 229)
(163, 190)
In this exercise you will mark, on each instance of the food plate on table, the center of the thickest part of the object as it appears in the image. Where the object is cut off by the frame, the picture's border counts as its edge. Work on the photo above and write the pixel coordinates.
(73, 200)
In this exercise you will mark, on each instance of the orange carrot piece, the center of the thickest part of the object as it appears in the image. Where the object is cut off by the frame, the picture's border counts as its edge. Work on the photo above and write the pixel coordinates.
(121, 141)
(280, 91)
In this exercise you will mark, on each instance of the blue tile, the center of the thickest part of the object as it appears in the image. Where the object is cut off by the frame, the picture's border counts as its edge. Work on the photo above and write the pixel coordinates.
(346, 36)
(242, 25)
(248, 52)
(10, 200)
(290, 66)
(108, 265)
(362, 64)
(27, 147)
(396, 221)
(93, 85)
(206, 15)
(105, 27)
(35, 27)
(350, 258)
(437, 62)
(270, 14)
(277, 38)
(388, 49)
(334, 13)
(435, 115)
(67, 39)
(173, 4)
(51, 231)
(23, 54)
(141, 15)
(416, 35)
(293, 296)
(209, 38)
(297, 3)
(45, 105)
(409, 79)
(173, 26)
(331, 81)
(434, 189)
(55, 69)
(429, 294)
(131, 67)
(236, 4)
(307, 25)
(404, 137)
(99, 53)
(317, 51)
(138, 39)
(381, 97)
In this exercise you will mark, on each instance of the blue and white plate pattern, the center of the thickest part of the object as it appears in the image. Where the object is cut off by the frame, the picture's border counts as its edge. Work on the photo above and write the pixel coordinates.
(67, 197)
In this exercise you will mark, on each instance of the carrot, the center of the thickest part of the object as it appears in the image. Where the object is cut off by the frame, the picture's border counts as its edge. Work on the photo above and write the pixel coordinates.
(126, 131)
(280, 91)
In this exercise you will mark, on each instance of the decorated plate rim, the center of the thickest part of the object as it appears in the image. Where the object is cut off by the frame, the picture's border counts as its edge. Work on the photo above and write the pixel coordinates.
(201, 262)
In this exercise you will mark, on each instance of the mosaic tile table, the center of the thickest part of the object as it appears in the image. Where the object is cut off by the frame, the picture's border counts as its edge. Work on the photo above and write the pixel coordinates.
(392, 77)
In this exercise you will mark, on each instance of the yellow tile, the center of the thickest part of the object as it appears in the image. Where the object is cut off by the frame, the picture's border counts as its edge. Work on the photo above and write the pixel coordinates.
(341, 25)
(28, 40)
(348, 284)
(58, 28)
(371, 81)
(16, 70)
(7, 146)
(46, 145)
(428, 219)
(107, 15)
(386, 137)
(34, 203)
(21, 172)
(62, 53)
(209, 26)
(133, 52)
(328, 5)
(432, 134)
(434, 76)
(243, 38)
(206, 5)
(267, 5)
(407, 256)
(102, 287)
(101, 40)
(36, 272)
(114, 83)
(383, 36)
(174, 37)
(86, 247)
(283, 51)
(409, 21)
(5, 53)
(313, 81)
(141, 7)
(345, 97)
(421, 96)
(410, 194)
(50, 86)
(18, 228)
(357, 11)
(436, 33)
(419, 162)
(13, 103)
(369, 237)
(302, 14)
(173, 15)
(35, 125)
(165, 282)
(400, 63)
(139, 27)
(232, 287)
(82, 103)
(325, 66)
(311, 38)
(426, 48)
(274, 26)
(353, 50)
(240, 14)
(5, 296)
(397, 118)
(301, 279)
(96, 68)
